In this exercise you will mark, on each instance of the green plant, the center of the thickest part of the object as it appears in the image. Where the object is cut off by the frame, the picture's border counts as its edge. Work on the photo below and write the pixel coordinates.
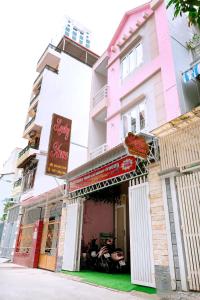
(190, 7)
(8, 202)
(194, 41)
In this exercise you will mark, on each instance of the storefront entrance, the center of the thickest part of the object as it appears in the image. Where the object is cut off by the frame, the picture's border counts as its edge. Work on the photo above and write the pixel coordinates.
(50, 236)
(48, 251)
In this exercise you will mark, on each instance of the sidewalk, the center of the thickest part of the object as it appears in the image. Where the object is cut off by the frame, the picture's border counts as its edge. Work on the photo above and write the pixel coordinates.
(21, 283)
(3, 260)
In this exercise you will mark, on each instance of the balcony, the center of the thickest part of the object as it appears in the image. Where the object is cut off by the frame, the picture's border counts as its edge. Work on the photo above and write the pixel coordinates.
(38, 79)
(31, 126)
(25, 154)
(17, 187)
(100, 101)
(34, 99)
(28, 180)
(98, 151)
(51, 57)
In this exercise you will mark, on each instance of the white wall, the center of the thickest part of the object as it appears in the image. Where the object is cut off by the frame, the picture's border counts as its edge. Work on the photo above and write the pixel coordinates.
(6, 182)
(68, 94)
(180, 34)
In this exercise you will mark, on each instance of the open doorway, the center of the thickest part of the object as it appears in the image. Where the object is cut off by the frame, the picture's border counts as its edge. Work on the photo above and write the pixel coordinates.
(105, 232)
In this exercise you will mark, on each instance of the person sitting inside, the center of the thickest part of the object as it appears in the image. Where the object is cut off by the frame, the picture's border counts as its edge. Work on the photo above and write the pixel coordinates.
(109, 258)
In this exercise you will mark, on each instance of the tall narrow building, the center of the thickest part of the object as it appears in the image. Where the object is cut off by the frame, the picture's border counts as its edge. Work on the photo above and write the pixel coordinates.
(62, 87)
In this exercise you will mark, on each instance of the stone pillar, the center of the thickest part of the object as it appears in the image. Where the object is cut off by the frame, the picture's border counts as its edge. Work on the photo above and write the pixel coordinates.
(159, 231)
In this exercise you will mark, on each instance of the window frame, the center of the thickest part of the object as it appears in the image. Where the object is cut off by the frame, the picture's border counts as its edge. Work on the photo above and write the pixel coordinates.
(127, 115)
(126, 60)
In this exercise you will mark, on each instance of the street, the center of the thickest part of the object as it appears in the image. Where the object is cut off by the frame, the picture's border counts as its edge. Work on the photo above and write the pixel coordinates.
(21, 283)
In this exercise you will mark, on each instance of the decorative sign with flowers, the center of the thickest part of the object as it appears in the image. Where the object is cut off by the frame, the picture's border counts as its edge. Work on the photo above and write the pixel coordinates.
(136, 146)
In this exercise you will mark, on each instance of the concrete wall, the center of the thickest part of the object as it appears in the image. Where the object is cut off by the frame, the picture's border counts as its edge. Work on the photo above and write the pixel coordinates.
(68, 94)
(97, 217)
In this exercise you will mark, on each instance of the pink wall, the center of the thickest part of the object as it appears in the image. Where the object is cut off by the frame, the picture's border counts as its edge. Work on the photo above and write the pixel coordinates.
(172, 105)
(97, 217)
(163, 62)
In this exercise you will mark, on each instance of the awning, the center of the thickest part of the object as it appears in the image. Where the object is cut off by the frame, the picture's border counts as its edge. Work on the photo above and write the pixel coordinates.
(192, 73)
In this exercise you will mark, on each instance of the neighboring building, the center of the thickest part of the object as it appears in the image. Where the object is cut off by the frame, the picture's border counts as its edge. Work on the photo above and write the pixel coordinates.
(10, 187)
(62, 87)
(77, 32)
(179, 141)
(9, 174)
(135, 87)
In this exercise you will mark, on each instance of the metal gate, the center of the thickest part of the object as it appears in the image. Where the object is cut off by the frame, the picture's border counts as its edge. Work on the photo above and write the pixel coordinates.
(142, 267)
(189, 201)
(73, 231)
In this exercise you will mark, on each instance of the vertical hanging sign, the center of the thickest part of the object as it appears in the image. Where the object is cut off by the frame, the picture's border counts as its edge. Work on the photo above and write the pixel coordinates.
(59, 142)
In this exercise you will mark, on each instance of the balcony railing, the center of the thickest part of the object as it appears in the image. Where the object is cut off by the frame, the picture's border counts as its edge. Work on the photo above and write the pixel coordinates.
(26, 149)
(100, 95)
(17, 183)
(33, 99)
(196, 53)
(48, 68)
(28, 179)
(98, 151)
(29, 123)
(49, 46)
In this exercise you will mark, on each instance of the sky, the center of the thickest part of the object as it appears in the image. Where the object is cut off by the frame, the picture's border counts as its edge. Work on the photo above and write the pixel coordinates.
(26, 28)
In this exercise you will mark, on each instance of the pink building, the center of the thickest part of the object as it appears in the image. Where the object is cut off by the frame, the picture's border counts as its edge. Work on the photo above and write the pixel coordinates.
(135, 88)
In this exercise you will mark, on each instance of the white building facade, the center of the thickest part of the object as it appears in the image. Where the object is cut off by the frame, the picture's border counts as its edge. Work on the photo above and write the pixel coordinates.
(63, 88)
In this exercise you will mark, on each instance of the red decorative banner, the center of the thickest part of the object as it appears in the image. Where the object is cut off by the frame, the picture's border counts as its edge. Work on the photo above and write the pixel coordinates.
(136, 146)
(119, 167)
(58, 152)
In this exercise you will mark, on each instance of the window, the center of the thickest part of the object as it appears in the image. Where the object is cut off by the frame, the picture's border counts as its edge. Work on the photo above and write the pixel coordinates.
(67, 30)
(135, 119)
(131, 61)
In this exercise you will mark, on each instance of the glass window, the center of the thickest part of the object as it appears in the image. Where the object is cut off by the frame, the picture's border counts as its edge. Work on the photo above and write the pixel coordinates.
(133, 114)
(124, 68)
(139, 52)
(135, 119)
(132, 60)
(142, 116)
(125, 125)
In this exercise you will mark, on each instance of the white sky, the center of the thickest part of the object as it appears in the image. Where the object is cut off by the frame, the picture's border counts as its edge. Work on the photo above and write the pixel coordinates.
(26, 28)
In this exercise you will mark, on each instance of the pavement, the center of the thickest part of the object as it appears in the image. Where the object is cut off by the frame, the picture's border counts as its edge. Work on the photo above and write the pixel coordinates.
(21, 283)
(3, 260)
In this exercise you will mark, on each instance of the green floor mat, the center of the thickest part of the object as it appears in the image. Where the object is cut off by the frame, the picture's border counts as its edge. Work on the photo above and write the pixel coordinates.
(121, 282)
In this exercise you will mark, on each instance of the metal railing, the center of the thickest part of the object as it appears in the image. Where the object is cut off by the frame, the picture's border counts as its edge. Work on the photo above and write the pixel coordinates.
(17, 182)
(100, 95)
(26, 149)
(28, 180)
(35, 96)
(98, 151)
(29, 123)
(49, 46)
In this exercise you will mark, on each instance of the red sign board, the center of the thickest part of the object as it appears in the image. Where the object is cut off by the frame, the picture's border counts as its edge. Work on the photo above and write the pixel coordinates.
(136, 146)
(119, 167)
(58, 152)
